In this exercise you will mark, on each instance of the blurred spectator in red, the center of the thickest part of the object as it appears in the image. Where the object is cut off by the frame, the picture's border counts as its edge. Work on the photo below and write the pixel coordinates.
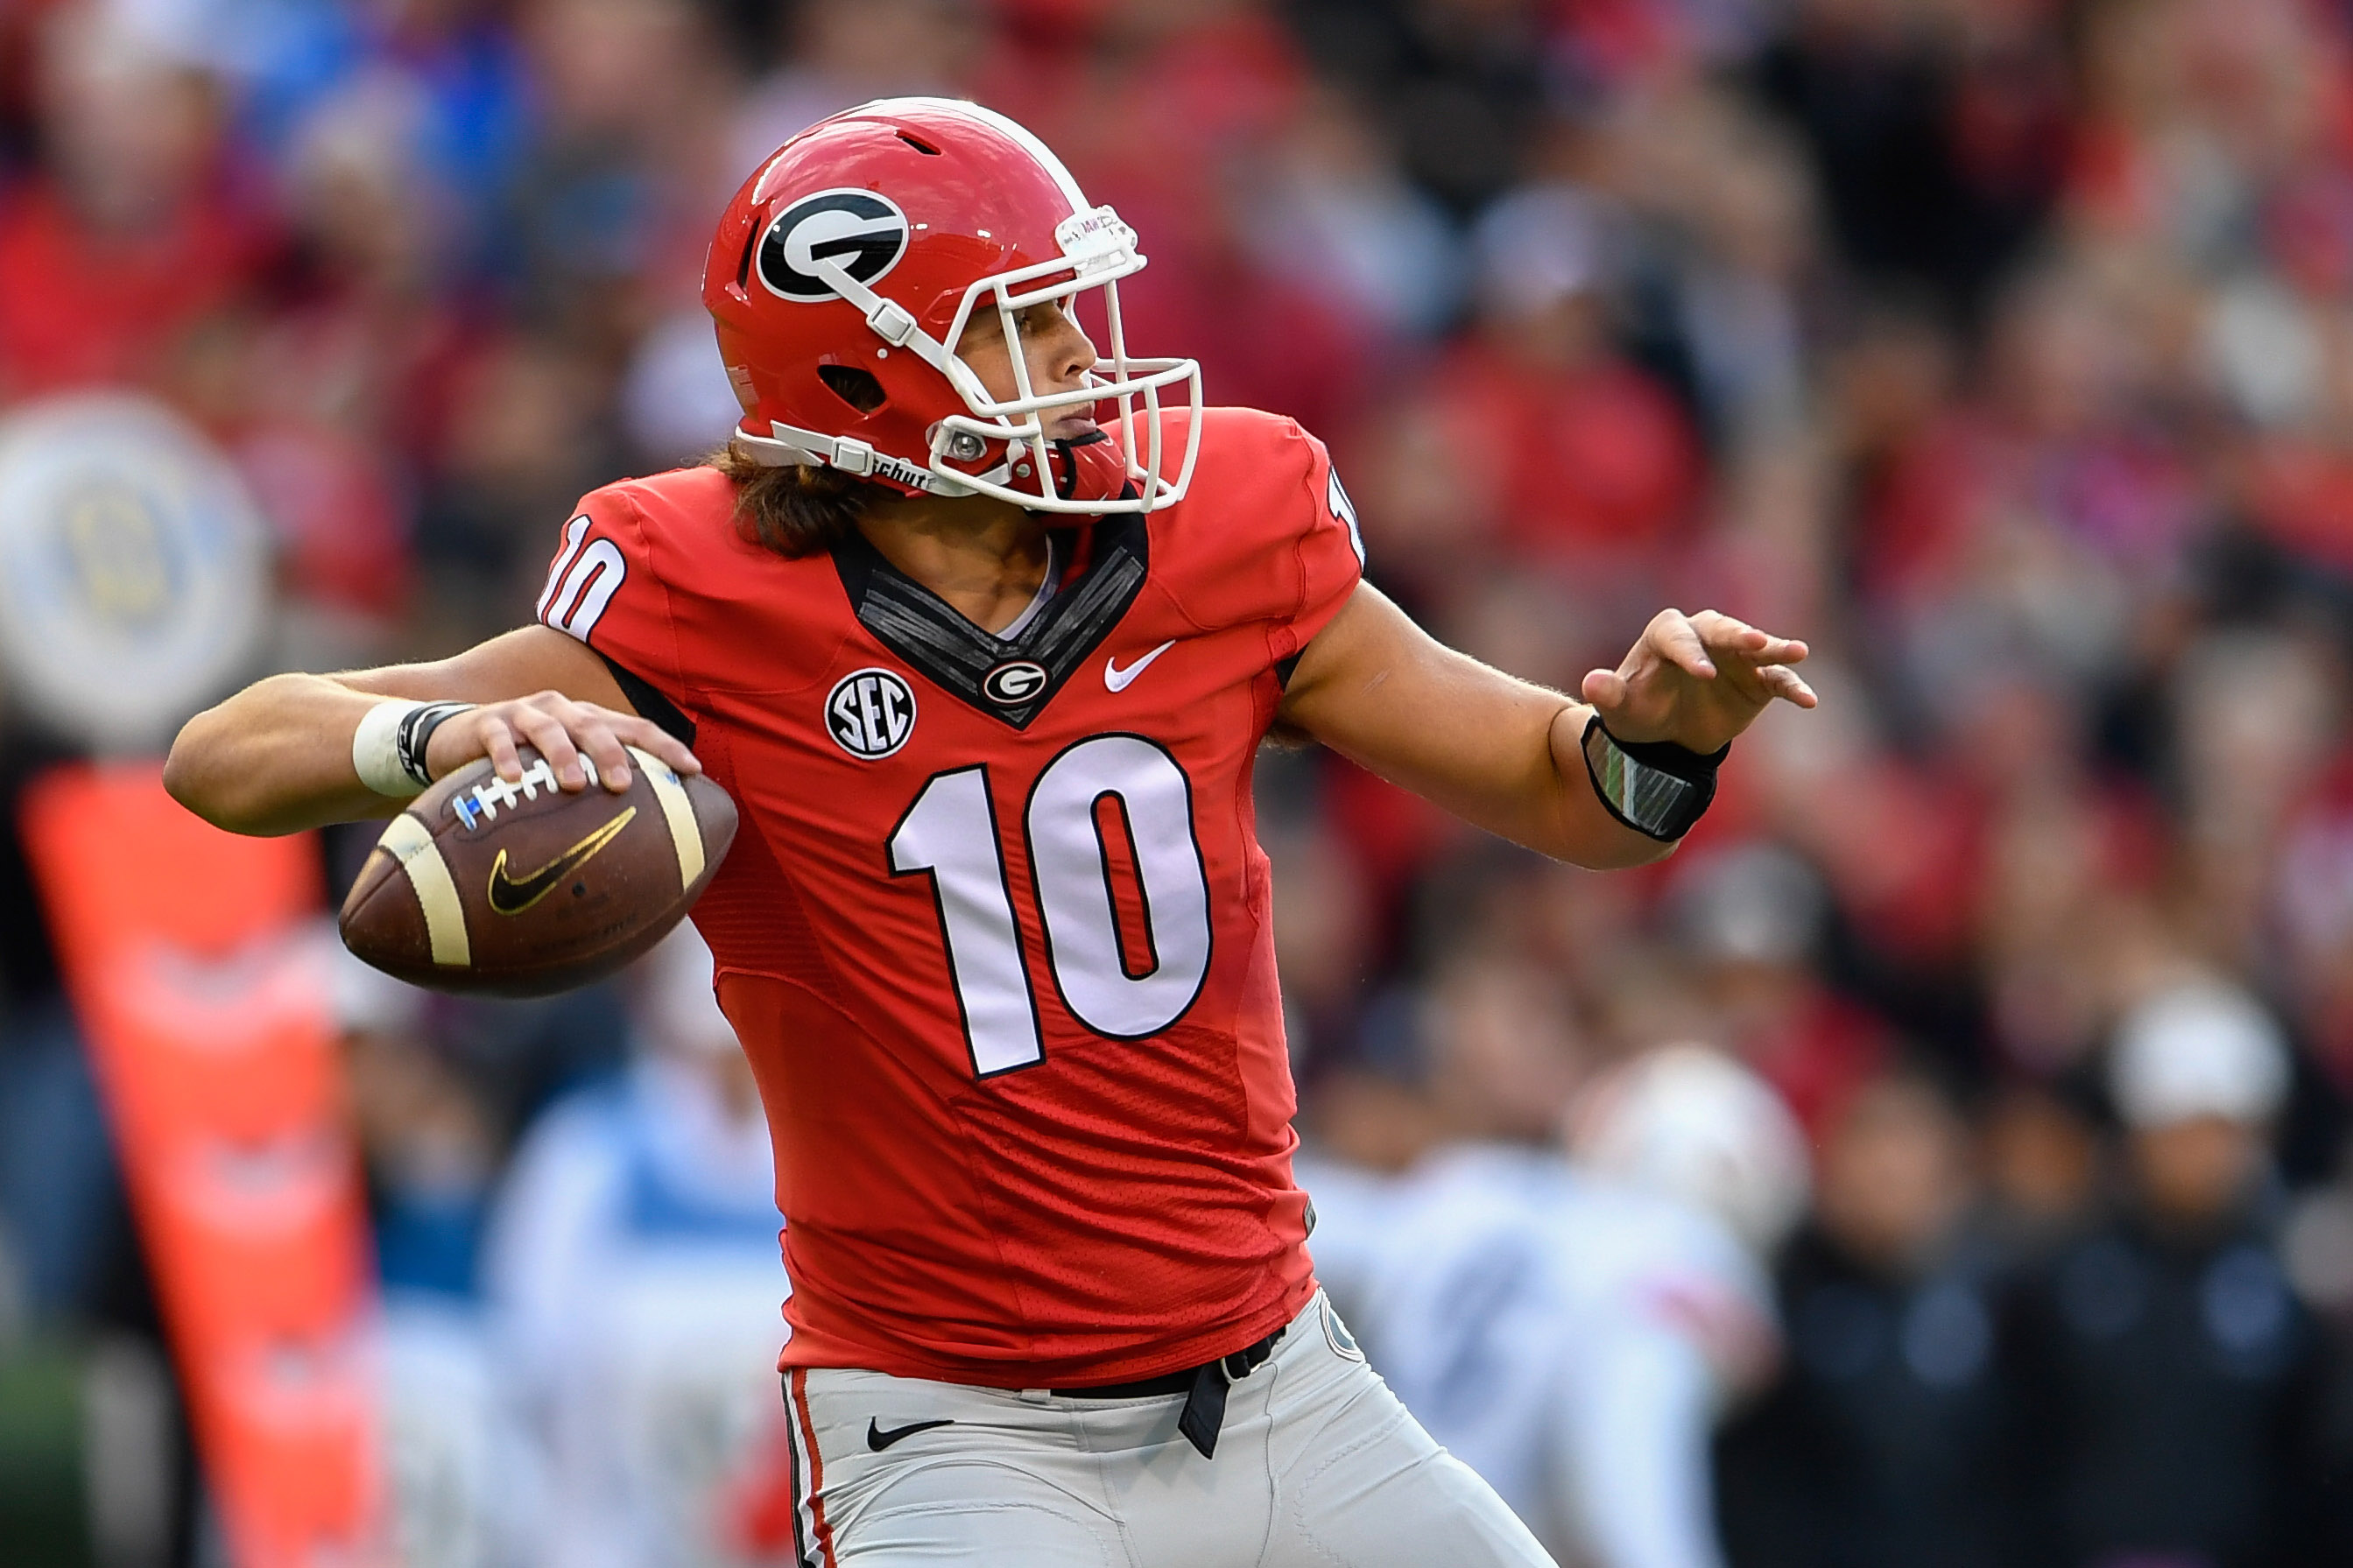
(328, 402)
(1898, 842)
(2193, 109)
(135, 226)
(2035, 522)
(2167, 1365)
(1600, 469)
(1169, 118)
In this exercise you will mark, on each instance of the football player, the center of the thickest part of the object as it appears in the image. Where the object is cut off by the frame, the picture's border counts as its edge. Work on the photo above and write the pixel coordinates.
(630, 1275)
(1572, 1329)
(986, 677)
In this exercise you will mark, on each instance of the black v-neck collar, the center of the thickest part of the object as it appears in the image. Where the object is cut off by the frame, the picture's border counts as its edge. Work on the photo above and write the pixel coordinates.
(1011, 679)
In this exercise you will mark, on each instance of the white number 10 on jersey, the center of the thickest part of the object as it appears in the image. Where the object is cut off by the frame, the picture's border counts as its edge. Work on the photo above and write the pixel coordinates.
(950, 833)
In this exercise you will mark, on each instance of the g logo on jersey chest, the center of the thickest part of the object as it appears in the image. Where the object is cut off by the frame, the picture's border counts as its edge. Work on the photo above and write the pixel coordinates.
(1014, 682)
(871, 713)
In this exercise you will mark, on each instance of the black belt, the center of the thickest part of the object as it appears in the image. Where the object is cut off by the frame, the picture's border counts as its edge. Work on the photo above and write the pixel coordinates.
(1203, 1386)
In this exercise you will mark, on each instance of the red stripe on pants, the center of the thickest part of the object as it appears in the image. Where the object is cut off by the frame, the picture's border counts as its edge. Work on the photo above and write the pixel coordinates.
(816, 1466)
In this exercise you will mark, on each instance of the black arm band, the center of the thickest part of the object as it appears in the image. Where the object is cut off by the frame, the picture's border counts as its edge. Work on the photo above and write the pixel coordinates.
(1655, 787)
(415, 733)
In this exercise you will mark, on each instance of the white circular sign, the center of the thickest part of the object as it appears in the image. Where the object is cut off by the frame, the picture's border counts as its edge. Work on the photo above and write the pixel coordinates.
(134, 568)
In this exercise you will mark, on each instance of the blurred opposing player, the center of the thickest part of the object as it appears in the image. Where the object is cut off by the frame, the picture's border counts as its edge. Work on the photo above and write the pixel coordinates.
(1572, 1331)
(985, 679)
(632, 1278)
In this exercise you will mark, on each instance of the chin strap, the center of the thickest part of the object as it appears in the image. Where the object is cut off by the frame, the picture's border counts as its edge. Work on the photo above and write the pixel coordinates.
(1091, 469)
(788, 446)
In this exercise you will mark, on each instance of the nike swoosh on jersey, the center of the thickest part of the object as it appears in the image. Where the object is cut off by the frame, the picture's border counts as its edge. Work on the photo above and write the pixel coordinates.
(878, 1439)
(512, 894)
(1117, 679)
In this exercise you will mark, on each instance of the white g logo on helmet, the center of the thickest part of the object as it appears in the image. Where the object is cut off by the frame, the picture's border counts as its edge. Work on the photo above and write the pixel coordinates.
(861, 232)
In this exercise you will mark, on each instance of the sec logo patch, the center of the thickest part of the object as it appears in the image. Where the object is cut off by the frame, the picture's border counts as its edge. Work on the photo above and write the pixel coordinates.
(869, 713)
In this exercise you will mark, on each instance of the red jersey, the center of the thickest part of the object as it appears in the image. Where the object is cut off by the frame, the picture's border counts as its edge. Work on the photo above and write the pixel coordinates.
(995, 931)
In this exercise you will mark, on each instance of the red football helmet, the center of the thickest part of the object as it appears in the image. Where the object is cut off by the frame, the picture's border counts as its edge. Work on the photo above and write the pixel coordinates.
(863, 245)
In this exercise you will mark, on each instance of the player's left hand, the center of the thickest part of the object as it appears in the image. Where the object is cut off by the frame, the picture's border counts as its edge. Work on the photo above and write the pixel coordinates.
(1697, 680)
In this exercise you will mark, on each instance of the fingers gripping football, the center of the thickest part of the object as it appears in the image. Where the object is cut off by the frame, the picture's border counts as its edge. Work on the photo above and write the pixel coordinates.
(561, 730)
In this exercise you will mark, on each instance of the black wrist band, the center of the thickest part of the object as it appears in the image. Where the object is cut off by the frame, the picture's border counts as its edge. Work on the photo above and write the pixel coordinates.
(415, 733)
(1655, 787)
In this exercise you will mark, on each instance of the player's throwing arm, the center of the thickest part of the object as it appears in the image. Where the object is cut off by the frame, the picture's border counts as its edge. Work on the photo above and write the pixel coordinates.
(1614, 781)
(300, 750)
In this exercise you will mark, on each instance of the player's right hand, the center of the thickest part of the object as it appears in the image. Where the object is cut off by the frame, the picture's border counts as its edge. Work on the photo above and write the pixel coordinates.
(562, 730)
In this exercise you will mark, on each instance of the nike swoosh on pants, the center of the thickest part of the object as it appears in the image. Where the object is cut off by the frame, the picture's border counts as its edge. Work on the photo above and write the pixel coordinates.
(878, 1439)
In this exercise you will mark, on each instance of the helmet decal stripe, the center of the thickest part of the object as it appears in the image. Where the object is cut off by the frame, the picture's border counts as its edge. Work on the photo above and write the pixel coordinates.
(1013, 130)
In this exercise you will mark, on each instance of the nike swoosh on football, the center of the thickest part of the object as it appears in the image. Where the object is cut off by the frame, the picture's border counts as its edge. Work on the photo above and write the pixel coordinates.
(878, 1439)
(512, 894)
(1117, 679)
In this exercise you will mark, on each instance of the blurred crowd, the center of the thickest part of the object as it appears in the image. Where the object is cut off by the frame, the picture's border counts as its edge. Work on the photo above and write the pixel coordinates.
(2002, 349)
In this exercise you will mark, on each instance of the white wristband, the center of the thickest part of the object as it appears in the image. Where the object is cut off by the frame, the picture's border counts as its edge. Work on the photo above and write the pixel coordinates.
(376, 749)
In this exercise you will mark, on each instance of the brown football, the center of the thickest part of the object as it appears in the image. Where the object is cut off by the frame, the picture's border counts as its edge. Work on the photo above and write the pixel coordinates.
(522, 889)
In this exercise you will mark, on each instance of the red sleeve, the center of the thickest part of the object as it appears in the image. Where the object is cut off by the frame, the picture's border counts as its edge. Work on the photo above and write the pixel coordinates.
(1330, 549)
(1266, 536)
(602, 588)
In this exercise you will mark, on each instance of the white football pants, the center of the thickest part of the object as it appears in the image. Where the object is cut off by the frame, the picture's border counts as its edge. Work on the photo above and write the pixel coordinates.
(1317, 1465)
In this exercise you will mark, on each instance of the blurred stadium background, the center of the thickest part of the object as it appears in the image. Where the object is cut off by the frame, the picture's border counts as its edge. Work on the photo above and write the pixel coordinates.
(2001, 347)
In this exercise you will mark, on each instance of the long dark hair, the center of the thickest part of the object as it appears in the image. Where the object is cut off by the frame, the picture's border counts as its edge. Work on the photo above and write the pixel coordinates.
(796, 509)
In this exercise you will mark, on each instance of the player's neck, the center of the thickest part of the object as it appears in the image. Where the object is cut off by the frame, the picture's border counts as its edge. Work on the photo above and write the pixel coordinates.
(983, 557)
